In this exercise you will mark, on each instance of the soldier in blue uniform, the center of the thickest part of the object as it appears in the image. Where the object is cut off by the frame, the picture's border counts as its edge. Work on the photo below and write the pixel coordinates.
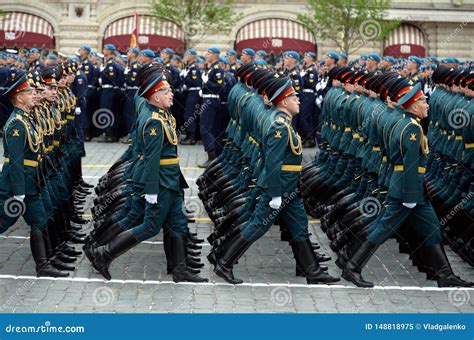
(110, 80)
(34, 59)
(5, 78)
(79, 89)
(232, 57)
(212, 85)
(191, 85)
(247, 56)
(131, 88)
(307, 116)
(412, 68)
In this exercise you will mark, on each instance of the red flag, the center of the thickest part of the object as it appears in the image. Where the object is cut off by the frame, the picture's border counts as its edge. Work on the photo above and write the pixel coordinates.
(134, 36)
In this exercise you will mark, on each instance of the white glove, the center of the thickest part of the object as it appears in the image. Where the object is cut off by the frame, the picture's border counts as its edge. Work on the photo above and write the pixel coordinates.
(302, 74)
(318, 87)
(184, 87)
(200, 93)
(78, 111)
(205, 78)
(152, 199)
(19, 197)
(319, 100)
(409, 205)
(275, 203)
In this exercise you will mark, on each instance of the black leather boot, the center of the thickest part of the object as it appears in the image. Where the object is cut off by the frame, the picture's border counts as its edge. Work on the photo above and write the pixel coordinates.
(103, 256)
(307, 262)
(438, 261)
(38, 250)
(181, 272)
(237, 247)
(353, 268)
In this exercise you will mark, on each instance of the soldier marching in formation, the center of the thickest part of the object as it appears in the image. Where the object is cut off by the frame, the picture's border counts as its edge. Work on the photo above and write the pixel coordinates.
(394, 140)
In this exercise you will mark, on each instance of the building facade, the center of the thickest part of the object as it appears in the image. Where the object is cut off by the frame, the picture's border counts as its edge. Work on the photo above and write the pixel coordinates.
(437, 27)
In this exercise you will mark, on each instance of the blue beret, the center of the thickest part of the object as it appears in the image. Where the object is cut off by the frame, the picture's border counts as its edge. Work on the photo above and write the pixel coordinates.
(231, 52)
(168, 50)
(199, 60)
(433, 66)
(148, 53)
(415, 59)
(34, 50)
(117, 53)
(390, 59)
(342, 56)
(94, 54)
(214, 50)
(135, 50)
(333, 55)
(3, 56)
(75, 59)
(193, 52)
(374, 56)
(310, 54)
(292, 54)
(433, 59)
(158, 59)
(260, 62)
(248, 51)
(224, 60)
(262, 53)
(52, 56)
(86, 48)
(239, 61)
(110, 47)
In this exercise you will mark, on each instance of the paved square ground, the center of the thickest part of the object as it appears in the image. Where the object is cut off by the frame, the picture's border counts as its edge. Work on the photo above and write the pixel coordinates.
(140, 282)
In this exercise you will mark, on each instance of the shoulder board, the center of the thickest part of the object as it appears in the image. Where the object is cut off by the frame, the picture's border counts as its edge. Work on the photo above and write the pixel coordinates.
(293, 73)
(216, 66)
(155, 115)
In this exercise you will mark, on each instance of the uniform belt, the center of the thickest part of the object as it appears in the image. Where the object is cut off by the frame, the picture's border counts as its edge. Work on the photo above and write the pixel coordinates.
(469, 146)
(308, 90)
(193, 89)
(376, 148)
(210, 96)
(295, 168)
(131, 87)
(91, 86)
(26, 162)
(347, 129)
(69, 117)
(166, 161)
(421, 169)
(458, 137)
(107, 86)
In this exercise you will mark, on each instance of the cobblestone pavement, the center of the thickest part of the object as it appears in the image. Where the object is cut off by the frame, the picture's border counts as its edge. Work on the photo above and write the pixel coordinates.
(140, 282)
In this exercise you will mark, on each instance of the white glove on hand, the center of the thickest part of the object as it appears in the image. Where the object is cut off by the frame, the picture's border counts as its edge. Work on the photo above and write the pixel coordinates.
(78, 111)
(152, 199)
(275, 203)
(19, 197)
(409, 205)
(200, 93)
(184, 87)
(302, 73)
(319, 100)
(205, 78)
(318, 87)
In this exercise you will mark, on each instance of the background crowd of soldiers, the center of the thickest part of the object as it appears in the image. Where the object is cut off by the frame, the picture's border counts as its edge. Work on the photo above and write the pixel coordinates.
(341, 107)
